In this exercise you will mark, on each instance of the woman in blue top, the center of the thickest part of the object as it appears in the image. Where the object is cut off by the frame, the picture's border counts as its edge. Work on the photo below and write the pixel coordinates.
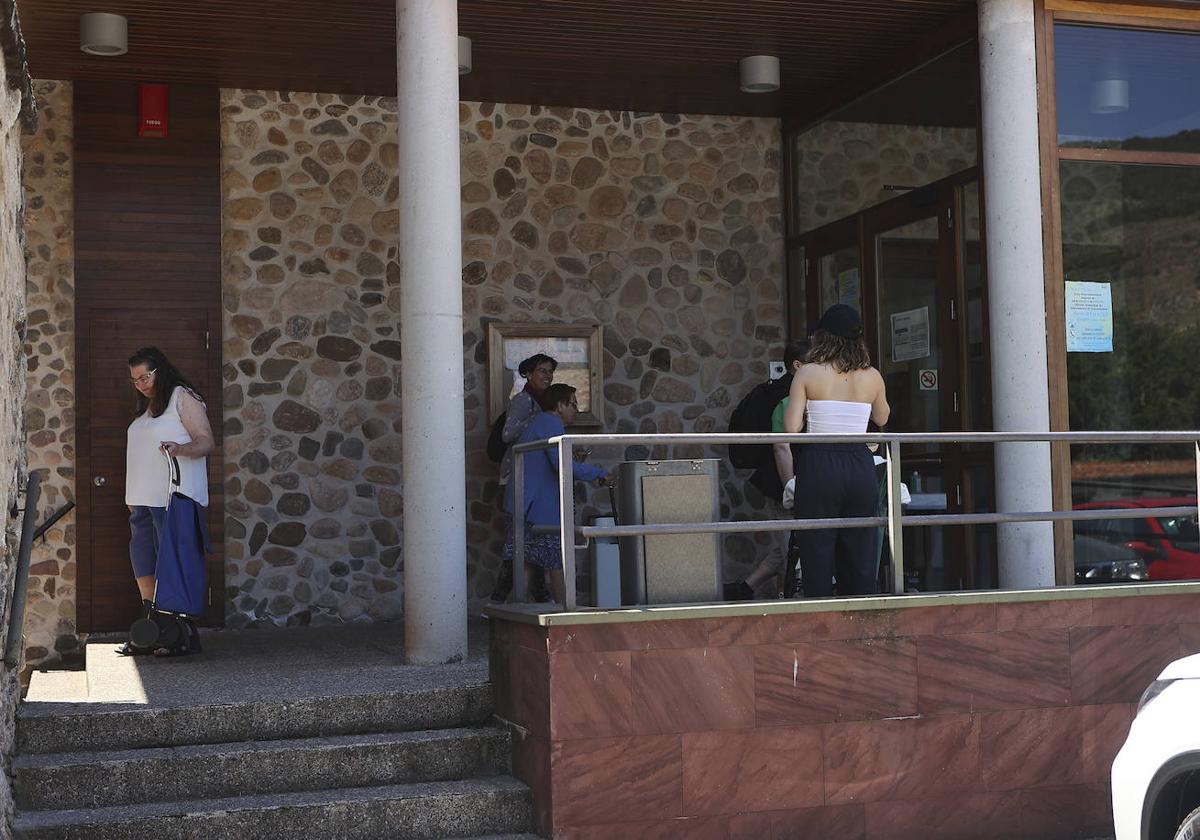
(559, 408)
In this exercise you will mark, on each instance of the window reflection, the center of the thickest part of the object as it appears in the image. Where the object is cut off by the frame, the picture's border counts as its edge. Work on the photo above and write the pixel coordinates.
(1137, 229)
(1127, 89)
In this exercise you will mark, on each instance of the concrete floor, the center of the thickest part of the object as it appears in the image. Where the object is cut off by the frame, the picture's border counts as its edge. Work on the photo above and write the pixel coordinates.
(265, 664)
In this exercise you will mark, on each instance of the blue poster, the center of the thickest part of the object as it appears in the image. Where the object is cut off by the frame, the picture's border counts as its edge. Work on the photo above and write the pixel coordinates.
(1089, 317)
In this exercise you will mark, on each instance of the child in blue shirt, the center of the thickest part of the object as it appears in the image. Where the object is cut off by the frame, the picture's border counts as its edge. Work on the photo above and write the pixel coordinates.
(541, 502)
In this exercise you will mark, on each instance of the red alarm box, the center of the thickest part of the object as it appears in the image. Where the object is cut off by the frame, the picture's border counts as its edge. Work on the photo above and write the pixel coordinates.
(152, 110)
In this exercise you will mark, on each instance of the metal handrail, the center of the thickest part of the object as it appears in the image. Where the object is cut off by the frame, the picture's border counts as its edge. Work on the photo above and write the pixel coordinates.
(894, 521)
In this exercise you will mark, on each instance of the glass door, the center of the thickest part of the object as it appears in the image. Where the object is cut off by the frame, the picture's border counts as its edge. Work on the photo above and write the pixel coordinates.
(918, 359)
(914, 266)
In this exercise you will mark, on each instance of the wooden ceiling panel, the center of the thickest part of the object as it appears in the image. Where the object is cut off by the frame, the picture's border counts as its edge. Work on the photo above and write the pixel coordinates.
(642, 55)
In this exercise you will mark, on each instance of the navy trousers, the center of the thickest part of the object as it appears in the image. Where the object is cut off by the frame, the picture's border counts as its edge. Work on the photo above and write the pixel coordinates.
(836, 480)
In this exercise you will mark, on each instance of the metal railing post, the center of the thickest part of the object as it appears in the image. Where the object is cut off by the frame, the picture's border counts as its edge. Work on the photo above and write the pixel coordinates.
(566, 531)
(14, 641)
(895, 528)
(518, 524)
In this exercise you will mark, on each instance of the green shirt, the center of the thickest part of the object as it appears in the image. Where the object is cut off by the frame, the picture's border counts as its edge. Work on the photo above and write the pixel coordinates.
(777, 416)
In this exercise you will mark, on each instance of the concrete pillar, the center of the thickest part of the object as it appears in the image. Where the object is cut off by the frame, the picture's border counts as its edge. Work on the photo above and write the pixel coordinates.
(431, 333)
(1016, 284)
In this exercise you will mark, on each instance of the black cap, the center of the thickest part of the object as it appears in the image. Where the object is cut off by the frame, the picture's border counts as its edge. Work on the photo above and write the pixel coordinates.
(841, 320)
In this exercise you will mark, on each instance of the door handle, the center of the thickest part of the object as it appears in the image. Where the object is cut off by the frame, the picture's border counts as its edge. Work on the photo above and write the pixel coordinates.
(99, 481)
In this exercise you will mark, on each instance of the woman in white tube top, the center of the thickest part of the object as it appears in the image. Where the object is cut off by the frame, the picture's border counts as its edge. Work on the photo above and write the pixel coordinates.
(836, 392)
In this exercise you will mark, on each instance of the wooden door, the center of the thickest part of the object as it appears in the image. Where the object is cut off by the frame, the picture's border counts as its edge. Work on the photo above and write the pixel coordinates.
(147, 272)
(106, 402)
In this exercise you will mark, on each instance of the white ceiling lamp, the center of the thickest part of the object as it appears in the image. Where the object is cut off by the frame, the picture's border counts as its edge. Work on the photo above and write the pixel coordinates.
(1110, 92)
(101, 33)
(464, 55)
(759, 73)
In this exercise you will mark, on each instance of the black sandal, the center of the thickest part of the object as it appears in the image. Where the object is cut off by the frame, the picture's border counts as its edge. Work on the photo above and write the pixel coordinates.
(130, 649)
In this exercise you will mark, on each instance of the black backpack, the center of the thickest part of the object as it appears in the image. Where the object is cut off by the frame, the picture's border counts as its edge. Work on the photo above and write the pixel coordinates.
(496, 447)
(753, 414)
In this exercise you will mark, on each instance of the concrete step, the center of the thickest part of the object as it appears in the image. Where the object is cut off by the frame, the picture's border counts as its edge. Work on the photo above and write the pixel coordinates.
(466, 808)
(215, 771)
(87, 727)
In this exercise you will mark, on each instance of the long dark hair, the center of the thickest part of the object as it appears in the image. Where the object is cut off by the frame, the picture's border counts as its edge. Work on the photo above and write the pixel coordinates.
(843, 354)
(166, 377)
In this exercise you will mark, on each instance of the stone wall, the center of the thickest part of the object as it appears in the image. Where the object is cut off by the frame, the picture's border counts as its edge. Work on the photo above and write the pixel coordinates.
(840, 168)
(50, 636)
(12, 399)
(917, 717)
(665, 229)
(312, 437)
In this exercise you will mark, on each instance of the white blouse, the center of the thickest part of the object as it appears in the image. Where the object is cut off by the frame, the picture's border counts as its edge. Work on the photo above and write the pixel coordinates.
(147, 468)
(837, 417)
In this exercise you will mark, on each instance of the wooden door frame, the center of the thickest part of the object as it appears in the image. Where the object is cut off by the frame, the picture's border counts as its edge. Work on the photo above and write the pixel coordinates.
(1047, 13)
(943, 200)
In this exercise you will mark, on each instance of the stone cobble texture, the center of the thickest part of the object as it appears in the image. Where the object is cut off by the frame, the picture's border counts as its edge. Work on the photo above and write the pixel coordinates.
(50, 634)
(14, 315)
(840, 167)
(666, 229)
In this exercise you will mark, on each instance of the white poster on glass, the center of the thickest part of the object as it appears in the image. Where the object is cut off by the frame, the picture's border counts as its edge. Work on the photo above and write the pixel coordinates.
(1089, 317)
(910, 335)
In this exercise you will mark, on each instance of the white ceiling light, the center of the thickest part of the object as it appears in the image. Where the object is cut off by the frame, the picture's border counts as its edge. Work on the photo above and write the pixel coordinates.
(1110, 96)
(464, 55)
(101, 33)
(759, 73)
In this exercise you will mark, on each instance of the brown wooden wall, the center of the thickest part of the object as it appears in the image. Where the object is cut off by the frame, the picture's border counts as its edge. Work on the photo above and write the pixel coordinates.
(148, 271)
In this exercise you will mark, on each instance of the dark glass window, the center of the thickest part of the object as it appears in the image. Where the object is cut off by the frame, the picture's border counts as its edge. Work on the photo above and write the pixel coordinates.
(1127, 89)
(1135, 228)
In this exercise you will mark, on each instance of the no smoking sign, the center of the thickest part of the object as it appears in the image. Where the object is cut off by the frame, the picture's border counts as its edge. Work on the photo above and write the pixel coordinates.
(928, 380)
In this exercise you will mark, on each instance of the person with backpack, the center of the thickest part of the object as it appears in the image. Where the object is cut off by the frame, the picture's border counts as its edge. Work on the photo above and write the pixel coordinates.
(760, 411)
(538, 373)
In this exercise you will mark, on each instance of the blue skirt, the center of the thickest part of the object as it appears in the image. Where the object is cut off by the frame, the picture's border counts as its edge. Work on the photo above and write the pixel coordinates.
(543, 550)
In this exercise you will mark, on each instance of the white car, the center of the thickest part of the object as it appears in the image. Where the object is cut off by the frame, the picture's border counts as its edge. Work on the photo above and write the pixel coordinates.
(1156, 775)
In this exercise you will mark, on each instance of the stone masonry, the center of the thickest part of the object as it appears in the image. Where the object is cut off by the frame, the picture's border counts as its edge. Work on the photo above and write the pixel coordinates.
(12, 398)
(50, 636)
(666, 229)
(842, 167)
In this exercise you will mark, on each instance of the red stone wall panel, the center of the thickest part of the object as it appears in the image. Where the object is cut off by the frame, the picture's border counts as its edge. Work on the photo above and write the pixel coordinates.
(835, 681)
(995, 720)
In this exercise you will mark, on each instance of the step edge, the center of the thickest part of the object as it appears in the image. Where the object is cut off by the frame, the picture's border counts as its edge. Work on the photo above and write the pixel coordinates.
(32, 820)
(57, 760)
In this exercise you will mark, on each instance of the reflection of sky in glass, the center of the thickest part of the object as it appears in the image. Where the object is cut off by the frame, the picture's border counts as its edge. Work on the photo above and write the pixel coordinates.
(1160, 68)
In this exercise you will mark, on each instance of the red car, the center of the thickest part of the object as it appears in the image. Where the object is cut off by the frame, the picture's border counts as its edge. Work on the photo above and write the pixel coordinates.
(1169, 545)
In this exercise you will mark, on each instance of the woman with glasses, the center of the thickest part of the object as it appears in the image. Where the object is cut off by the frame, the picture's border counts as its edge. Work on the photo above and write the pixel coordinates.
(541, 501)
(171, 421)
(538, 373)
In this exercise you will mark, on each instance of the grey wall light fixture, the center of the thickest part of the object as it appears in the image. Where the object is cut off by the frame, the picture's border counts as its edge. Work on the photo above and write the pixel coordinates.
(464, 55)
(101, 33)
(759, 73)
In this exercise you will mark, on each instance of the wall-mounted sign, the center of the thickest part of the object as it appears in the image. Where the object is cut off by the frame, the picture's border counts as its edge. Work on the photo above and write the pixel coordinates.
(928, 380)
(1089, 317)
(910, 335)
(152, 111)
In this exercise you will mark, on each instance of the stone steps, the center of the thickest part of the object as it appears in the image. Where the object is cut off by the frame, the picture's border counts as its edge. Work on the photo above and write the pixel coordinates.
(216, 771)
(321, 733)
(79, 727)
(461, 808)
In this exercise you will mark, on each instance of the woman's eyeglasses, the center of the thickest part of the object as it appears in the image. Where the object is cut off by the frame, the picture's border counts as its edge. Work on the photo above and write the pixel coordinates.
(143, 379)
